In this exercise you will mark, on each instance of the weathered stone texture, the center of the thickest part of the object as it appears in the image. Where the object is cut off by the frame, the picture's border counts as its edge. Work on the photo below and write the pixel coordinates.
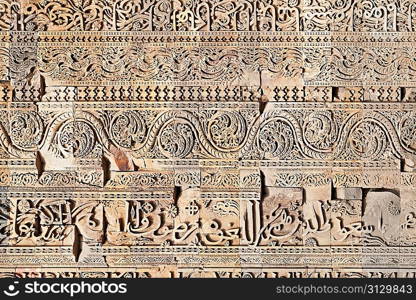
(207, 138)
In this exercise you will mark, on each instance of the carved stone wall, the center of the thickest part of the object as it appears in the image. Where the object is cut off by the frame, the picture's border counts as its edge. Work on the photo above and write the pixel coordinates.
(207, 138)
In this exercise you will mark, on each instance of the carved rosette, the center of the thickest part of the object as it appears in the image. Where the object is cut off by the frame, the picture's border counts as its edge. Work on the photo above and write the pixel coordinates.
(276, 139)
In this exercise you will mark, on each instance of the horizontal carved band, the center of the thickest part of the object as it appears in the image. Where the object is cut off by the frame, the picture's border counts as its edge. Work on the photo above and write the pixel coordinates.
(203, 15)
(211, 133)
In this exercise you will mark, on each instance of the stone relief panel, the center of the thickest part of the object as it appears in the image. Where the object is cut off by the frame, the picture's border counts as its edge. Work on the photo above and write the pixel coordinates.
(216, 139)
